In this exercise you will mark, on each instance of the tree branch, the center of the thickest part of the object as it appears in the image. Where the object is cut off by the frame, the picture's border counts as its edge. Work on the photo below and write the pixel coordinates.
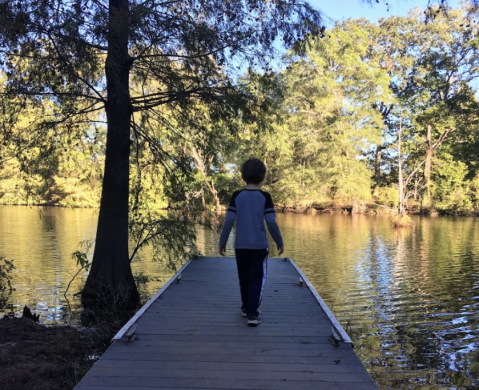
(68, 65)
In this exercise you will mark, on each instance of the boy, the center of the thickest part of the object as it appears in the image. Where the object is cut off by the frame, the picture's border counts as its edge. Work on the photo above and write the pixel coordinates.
(251, 207)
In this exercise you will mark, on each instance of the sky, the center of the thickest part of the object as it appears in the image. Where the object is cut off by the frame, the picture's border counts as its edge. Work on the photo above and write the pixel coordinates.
(343, 9)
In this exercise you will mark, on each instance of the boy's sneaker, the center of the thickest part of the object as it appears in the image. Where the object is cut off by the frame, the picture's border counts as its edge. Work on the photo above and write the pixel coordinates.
(243, 313)
(253, 319)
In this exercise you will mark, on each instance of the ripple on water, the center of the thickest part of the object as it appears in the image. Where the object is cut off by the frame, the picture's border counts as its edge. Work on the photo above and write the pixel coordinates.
(408, 297)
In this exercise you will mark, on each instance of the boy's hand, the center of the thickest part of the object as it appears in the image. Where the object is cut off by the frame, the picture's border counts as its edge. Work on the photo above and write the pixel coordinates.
(222, 250)
(280, 250)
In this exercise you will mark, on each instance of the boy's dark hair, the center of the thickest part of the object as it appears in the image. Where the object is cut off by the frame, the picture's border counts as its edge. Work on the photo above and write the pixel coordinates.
(253, 171)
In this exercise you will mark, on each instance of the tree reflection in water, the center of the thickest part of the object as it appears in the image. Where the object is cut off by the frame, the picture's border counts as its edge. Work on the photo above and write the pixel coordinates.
(408, 297)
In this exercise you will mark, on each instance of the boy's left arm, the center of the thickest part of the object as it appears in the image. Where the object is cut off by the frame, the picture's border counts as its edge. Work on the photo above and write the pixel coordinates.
(274, 231)
(270, 218)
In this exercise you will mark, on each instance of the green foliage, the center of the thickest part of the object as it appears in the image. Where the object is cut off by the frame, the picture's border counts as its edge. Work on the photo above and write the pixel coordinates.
(170, 235)
(81, 260)
(433, 68)
(341, 99)
(450, 189)
(474, 194)
(6, 268)
(47, 163)
(141, 279)
(317, 123)
(313, 150)
(388, 196)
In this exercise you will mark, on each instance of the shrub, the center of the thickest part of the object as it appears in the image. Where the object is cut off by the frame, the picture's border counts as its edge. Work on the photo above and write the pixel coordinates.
(6, 267)
(401, 220)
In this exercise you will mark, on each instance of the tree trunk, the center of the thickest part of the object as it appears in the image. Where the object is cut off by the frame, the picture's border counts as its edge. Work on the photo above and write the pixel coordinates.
(377, 171)
(216, 198)
(110, 282)
(401, 188)
(427, 167)
(355, 207)
(201, 165)
(203, 200)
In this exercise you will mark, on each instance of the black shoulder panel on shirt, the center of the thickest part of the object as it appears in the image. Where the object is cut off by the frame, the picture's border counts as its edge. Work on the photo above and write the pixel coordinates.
(268, 200)
(233, 198)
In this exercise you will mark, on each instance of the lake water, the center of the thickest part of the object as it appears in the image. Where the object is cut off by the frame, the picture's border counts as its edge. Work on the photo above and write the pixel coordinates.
(409, 298)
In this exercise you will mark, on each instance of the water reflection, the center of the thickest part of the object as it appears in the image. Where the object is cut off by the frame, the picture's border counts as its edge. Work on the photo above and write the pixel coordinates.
(41, 242)
(408, 297)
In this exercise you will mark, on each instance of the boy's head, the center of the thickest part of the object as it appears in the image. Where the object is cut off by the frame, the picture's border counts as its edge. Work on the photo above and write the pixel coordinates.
(253, 171)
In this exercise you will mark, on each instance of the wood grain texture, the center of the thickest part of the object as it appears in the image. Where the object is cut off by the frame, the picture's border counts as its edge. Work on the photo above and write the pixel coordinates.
(193, 337)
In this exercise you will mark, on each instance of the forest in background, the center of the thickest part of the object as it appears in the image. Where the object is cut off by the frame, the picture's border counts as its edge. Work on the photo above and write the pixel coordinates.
(364, 117)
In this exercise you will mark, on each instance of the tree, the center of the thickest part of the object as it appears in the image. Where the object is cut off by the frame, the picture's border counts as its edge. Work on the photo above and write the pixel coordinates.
(316, 152)
(432, 63)
(82, 55)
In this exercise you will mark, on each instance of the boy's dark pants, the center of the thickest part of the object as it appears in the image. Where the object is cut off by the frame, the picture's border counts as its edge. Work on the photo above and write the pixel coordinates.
(251, 265)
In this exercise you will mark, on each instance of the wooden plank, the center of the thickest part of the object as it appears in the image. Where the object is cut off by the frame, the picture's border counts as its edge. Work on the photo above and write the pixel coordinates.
(206, 329)
(280, 383)
(283, 307)
(222, 385)
(268, 314)
(315, 348)
(239, 357)
(126, 373)
(211, 328)
(232, 318)
(251, 339)
(232, 329)
(233, 366)
(259, 350)
(152, 386)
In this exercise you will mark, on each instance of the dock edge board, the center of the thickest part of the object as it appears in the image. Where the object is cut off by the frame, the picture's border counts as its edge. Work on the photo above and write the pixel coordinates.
(139, 313)
(335, 323)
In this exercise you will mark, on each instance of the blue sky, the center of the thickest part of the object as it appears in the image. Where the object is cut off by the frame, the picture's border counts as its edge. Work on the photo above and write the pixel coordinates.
(343, 9)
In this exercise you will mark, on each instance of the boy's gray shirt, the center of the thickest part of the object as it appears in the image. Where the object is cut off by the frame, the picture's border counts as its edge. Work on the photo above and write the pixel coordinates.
(251, 208)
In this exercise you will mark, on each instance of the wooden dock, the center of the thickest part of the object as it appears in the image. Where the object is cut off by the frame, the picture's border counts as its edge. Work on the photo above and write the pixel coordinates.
(191, 336)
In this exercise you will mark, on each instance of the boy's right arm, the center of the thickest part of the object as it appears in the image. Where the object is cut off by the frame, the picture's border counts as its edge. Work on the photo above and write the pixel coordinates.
(228, 225)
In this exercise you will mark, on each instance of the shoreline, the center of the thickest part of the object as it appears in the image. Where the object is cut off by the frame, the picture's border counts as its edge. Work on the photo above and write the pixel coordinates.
(326, 208)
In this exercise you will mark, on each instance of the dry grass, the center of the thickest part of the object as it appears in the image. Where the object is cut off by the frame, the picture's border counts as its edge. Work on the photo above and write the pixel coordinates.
(401, 220)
